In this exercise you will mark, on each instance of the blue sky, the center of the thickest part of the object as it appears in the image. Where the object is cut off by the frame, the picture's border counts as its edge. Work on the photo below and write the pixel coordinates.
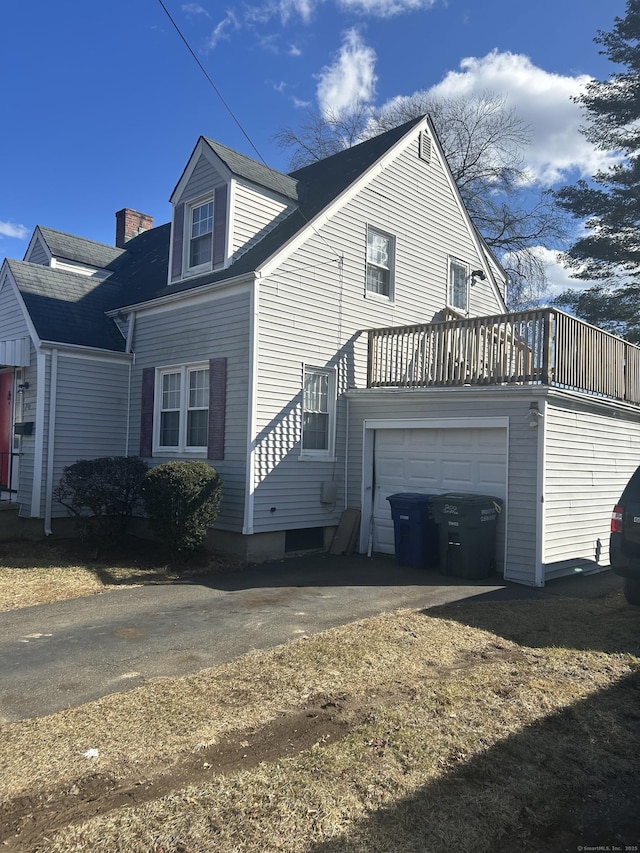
(102, 103)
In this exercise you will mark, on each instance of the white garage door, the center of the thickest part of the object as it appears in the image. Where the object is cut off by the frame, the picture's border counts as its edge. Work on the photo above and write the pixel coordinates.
(433, 461)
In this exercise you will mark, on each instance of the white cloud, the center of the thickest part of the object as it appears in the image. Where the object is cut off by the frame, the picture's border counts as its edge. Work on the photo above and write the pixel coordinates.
(558, 276)
(294, 51)
(351, 79)
(385, 8)
(299, 104)
(305, 9)
(193, 9)
(542, 100)
(221, 31)
(11, 229)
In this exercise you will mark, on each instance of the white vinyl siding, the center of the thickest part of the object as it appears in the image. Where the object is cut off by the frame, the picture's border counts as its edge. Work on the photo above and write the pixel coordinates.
(590, 456)
(90, 412)
(38, 254)
(255, 213)
(193, 334)
(12, 322)
(204, 180)
(312, 305)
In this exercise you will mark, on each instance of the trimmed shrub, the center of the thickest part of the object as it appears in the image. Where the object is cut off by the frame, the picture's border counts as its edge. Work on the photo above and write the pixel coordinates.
(182, 499)
(103, 493)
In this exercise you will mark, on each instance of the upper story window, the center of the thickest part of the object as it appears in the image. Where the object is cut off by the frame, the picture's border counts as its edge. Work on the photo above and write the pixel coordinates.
(318, 412)
(183, 409)
(458, 289)
(201, 235)
(380, 262)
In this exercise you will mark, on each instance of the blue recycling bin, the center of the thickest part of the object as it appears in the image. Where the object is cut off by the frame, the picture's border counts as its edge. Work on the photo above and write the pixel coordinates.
(415, 530)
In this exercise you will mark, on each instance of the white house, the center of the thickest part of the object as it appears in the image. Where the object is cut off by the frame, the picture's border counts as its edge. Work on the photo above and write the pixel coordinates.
(325, 338)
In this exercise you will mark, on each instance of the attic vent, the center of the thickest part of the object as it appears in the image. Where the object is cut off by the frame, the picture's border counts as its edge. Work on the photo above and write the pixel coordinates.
(424, 147)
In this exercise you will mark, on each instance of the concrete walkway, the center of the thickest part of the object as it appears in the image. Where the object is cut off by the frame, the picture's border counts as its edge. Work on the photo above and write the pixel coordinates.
(63, 654)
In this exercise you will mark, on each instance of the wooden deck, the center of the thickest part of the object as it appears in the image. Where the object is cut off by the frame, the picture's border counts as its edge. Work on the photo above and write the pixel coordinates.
(542, 347)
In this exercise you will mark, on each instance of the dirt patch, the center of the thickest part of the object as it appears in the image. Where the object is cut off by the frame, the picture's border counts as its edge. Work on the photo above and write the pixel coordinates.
(25, 821)
(429, 733)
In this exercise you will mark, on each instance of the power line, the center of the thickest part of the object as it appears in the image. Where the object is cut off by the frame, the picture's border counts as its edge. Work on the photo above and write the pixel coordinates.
(211, 83)
(237, 121)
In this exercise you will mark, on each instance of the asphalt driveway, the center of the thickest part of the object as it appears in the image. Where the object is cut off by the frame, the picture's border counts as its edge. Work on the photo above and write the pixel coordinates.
(60, 655)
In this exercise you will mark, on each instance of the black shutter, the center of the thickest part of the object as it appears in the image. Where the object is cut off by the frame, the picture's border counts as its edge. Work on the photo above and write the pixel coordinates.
(146, 412)
(178, 240)
(219, 225)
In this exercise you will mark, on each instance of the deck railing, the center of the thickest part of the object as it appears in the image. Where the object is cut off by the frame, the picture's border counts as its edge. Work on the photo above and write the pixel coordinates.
(541, 347)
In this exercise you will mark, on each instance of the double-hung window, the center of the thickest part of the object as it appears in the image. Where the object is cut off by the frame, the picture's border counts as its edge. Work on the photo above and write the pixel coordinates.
(318, 412)
(380, 262)
(201, 234)
(458, 288)
(183, 408)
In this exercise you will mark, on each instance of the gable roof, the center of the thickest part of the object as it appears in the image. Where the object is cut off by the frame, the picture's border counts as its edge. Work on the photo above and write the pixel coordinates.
(244, 167)
(78, 249)
(67, 307)
(70, 308)
(318, 185)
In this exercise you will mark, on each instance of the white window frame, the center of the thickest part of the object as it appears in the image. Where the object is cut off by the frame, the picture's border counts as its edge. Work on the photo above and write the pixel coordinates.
(327, 453)
(184, 371)
(456, 262)
(390, 268)
(191, 207)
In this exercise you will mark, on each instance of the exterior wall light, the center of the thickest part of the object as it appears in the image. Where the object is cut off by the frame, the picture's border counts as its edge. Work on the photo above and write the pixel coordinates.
(534, 415)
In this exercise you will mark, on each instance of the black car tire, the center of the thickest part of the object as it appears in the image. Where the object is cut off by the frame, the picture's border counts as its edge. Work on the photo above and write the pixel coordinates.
(632, 590)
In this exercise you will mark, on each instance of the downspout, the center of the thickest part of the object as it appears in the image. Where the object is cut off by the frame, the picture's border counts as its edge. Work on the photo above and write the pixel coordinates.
(540, 494)
(247, 526)
(53, 393)
(346, 456)
(38, 450)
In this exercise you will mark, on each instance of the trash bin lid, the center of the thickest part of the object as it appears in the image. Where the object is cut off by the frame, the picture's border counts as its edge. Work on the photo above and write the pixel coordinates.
(468, 499)
(409, 498)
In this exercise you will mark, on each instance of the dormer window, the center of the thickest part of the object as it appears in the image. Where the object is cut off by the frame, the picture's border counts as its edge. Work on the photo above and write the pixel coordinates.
(201, 235)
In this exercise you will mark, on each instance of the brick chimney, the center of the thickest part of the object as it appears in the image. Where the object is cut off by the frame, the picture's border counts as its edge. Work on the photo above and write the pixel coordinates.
(130, 223)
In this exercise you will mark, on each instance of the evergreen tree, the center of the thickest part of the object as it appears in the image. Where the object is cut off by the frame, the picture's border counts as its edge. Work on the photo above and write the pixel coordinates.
(609, 251)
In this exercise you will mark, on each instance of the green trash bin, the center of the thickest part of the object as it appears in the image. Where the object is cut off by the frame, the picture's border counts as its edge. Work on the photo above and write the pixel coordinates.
(467, 533)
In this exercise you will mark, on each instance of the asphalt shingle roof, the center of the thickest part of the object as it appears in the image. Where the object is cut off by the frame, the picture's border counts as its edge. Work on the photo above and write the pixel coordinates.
(244, 167)
(70, 308)
(78, 249)
(67, 307)
(318, 185)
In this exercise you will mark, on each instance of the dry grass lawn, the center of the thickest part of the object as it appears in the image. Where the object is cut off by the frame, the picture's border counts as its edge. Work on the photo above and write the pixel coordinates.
(510, 726)
(41, 572)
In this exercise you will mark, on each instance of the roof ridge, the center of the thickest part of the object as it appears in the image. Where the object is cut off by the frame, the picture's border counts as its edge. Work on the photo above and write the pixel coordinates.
(43, 228)
(254, 170)
(376, 141)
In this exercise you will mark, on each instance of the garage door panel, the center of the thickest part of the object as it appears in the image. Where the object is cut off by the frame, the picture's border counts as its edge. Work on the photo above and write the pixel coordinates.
(457, 438)
(432, 461)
